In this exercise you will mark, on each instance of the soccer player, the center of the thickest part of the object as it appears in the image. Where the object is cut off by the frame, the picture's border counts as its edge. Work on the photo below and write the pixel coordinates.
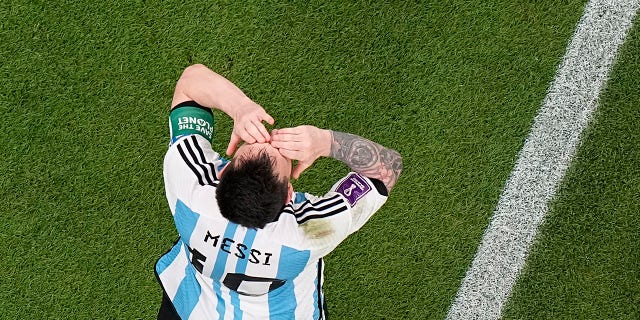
(250, 247)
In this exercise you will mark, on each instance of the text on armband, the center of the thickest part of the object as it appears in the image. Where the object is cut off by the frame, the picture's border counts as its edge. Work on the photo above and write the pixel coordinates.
(193, 123)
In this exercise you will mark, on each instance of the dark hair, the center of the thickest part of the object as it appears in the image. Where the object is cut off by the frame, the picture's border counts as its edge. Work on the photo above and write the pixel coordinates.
(250, 192)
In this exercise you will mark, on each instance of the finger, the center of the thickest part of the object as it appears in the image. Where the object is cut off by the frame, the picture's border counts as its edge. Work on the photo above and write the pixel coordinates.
(289, 154)
(276, 144)
(263, 115)
(233, 144)
(286, 137)
(253, 131)
(263, 131)
(280, 144)
(294, 130)
(247, 137)
(268, 119)
(302, 166)
(287, 134)
(288, 145)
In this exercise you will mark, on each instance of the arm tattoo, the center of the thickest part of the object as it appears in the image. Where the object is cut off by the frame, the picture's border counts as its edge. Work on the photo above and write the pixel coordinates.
(367, 157)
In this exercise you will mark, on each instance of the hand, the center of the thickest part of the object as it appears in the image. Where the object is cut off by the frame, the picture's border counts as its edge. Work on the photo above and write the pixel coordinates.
(303, 143)
(248, 126)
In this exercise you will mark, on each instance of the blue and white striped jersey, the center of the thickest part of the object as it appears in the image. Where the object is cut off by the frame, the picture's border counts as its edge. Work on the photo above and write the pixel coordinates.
(221, 270)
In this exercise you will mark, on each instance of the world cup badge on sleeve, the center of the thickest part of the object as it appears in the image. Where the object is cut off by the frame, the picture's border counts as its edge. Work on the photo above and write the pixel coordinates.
(353, 188)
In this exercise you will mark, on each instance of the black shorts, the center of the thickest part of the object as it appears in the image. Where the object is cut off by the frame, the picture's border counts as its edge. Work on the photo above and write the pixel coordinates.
(167, 310)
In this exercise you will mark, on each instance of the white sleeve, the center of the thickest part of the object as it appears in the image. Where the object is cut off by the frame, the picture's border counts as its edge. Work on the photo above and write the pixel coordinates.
(190, 167)
(362, 197)
(324, 222)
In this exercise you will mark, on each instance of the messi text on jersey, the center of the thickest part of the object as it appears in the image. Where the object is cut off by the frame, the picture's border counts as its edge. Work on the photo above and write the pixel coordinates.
(239, 249)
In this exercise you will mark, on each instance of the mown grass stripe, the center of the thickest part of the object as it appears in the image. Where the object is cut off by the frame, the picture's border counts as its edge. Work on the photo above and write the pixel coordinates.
(544, 159)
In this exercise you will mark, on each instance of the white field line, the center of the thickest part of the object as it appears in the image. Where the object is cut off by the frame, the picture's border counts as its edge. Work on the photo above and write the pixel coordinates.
(544, 158)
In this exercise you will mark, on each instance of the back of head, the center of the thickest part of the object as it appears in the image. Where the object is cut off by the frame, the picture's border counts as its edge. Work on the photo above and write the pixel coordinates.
(250, 192)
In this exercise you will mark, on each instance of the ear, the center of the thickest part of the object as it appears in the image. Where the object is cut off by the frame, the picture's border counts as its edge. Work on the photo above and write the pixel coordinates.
(222, 170)
(289, 192)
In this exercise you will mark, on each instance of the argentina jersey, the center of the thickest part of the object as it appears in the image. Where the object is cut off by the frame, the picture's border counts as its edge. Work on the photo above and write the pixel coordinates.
(221, 270)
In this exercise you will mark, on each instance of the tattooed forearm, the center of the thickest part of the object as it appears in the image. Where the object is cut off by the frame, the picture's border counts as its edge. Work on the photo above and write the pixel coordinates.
(367, 157)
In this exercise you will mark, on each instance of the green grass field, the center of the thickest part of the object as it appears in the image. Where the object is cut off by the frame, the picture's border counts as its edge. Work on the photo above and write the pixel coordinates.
(587, 261)
(453, 86)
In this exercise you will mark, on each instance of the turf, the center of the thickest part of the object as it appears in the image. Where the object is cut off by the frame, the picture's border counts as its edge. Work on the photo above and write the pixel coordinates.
(586, 264)
(85, 87)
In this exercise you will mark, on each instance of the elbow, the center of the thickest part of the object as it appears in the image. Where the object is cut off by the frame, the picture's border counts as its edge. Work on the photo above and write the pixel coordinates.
(190, 72)
(396, 163)
(190, 77)
(394, 166)
(398, 166)
(193, 69)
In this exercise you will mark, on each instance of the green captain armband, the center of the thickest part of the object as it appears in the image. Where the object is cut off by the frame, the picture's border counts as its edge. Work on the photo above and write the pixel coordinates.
(189, 118)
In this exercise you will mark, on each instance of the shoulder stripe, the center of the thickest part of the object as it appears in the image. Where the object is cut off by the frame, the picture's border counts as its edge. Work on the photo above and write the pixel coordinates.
(308, 206)
(301, 213)
(317, 203)
(287, 209)
(203, 159)
(321, 215)
(186, 160)
(319, 209)
(205, 176)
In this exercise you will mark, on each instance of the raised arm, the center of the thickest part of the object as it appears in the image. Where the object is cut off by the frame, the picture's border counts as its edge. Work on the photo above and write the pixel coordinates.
(308, 143)
(367, 157)
(209, 89)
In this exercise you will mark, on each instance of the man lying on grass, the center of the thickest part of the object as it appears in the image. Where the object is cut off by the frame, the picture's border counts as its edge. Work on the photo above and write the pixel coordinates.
(250, 247)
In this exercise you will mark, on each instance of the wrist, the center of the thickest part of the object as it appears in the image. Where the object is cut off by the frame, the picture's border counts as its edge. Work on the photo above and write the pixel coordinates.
(239, 106)
(327, 138)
